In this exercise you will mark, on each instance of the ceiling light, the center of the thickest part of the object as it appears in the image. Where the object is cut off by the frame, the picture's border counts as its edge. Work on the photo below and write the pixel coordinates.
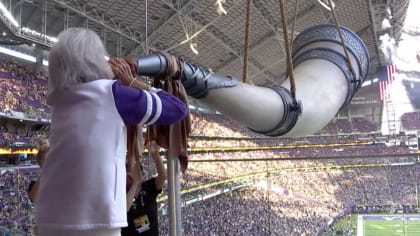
(35, 33)
(17, 54)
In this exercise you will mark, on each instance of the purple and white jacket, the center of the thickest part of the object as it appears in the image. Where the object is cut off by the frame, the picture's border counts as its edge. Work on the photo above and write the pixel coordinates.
(83, 178)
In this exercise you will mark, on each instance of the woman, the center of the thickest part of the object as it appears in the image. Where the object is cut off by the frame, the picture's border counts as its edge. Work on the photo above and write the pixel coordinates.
(83, 183)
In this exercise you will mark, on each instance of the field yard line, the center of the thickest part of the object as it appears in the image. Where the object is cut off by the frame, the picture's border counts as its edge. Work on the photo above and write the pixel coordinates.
(359, 225)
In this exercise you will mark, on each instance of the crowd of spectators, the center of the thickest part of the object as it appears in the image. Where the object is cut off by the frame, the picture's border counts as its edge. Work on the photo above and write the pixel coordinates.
(298, 202)
(412, 87)
(411, 121)
(358, 150)
(217, 125)
(21, 134)
(205, 143)
(251, 211)
(286, 197)
(399, 178)
(349, 126)
(16, 211)
(301, 194)
(24, 91)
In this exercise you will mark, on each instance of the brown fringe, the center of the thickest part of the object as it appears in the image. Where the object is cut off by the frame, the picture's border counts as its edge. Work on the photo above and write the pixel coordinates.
(172, 137)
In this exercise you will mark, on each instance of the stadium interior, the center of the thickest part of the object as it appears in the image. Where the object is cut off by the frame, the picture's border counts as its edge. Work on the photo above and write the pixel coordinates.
(238, 182)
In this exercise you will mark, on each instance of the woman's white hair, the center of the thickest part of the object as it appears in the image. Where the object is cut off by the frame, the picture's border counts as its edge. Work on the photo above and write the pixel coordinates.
(77, 57)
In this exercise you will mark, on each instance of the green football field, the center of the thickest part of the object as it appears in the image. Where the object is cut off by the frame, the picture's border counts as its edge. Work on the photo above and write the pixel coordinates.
(389, 225)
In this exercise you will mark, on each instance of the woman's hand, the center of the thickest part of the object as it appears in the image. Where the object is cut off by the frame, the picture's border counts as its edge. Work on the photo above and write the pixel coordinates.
(122, 70)
(125, 71)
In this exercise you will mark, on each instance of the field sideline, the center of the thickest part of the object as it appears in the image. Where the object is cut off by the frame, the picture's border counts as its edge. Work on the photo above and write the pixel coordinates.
(388, 225)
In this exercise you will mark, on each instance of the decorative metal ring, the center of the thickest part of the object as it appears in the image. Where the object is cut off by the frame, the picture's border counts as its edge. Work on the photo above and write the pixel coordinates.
(292, 110)
(328, 33)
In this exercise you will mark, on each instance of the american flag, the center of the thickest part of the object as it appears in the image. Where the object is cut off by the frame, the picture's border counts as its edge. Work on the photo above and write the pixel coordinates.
(386, 76)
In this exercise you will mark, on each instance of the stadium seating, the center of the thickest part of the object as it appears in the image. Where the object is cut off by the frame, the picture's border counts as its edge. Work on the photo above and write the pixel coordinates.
(412, 87)
(15, 207)
(286, 197)
(411, 121)
(25, 91)
(220, 126)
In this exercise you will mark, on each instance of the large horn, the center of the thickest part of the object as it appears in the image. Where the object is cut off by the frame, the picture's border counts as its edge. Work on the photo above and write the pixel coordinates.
(324, 84)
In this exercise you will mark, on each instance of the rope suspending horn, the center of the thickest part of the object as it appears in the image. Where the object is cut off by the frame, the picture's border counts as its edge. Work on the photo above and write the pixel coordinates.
(295, 107)
(294, 23)
(246, 45)
(287, 49)
(293, 29)
(332, 6)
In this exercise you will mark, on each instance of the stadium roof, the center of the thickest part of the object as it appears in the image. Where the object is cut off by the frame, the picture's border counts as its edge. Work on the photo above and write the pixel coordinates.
(219, 39)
